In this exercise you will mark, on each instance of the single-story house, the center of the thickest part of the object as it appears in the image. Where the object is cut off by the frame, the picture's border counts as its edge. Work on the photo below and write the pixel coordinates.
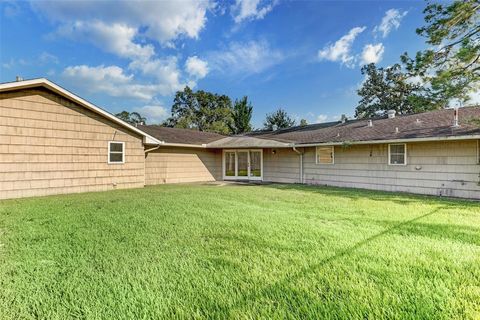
(53, 142)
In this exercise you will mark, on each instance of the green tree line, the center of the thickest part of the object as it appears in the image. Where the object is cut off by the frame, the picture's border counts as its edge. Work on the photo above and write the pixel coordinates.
(447, 72)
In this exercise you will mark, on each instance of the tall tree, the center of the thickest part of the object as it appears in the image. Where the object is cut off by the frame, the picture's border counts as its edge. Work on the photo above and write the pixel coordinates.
(131, 117)
(201, 110)
(451, 64)
(241, 116)
(278, 119)
(389, 88)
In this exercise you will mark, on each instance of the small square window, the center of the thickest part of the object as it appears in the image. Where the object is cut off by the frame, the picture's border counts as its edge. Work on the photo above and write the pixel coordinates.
(116, 152)
(325, 155)
(397, 154)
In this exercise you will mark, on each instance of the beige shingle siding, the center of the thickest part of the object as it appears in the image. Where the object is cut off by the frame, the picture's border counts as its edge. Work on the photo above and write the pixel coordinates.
(283, 166)
(175, 165)
(49, 145)
(435, 168)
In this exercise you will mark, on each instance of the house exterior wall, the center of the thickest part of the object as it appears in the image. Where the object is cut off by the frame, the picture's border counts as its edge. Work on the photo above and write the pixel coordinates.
(50, 145)
(435, 168)
(281, 165)
(176, 164)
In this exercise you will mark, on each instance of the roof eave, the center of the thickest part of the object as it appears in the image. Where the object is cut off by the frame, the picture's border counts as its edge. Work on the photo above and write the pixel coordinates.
(405, 140)
(42, 82)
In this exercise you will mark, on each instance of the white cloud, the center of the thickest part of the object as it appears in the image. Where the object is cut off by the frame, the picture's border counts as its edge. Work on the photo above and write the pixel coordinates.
(245, 58)
(46, 57)
(251, 9)
(108, 79)
(372, 53)
(340, 50)
(390, 21)
(321, 118)
(163, 21)
(115, 38)
(164, 72)
(196, 67)
(124, 30)
(155, 114)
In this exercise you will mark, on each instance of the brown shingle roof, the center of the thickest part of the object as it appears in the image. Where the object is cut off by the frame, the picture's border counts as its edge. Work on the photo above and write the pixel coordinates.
(434, 124)
(422, 125)
(183, 136)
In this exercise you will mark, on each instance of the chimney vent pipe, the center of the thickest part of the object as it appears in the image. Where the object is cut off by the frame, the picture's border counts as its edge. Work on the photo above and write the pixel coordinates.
(455, 117)
(391, 114)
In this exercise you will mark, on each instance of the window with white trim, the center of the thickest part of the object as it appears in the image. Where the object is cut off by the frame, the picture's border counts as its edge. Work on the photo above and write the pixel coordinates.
(116, 152)
(397, 154)
(325, 155)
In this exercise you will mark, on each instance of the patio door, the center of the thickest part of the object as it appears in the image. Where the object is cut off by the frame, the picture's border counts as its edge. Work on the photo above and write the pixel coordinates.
(243, 164)
(243, 161)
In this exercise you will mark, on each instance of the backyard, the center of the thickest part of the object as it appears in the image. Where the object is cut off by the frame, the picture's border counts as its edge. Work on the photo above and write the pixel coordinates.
(239, 251)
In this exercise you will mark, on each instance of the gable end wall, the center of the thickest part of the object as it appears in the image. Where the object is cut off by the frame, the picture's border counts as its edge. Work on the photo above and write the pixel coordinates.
(50, 145)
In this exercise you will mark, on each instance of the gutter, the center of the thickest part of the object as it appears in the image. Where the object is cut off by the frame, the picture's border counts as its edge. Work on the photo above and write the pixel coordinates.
(406, 140)
(186, 145)
(301, 163)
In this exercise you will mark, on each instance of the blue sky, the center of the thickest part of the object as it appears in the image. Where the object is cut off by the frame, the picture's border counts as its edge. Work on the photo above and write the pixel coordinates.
(303, 56)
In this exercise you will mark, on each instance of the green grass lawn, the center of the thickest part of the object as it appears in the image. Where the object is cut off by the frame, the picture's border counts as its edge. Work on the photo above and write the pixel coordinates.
(272, 251)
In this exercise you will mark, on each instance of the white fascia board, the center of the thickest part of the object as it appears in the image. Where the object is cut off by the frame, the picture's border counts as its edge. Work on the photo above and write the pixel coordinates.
(147, 139)
(185, 145)
(429, 139)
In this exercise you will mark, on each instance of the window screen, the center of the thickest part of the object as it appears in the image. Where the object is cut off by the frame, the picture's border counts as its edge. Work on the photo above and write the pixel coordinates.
(397, 154)
(116, 152)
(325, 155)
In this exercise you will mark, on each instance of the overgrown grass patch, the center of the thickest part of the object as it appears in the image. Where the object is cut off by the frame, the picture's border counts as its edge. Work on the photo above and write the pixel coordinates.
(267, 251)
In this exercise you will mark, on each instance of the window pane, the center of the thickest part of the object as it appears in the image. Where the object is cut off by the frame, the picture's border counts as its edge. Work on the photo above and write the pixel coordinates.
(230, 164)
(397, 148)
(397, 159)
(116, 157)
(255, 164)
(325, 154)
(242, 163)
(118, 147)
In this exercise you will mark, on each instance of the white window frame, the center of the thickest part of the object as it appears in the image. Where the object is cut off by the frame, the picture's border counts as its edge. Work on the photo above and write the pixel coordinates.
(404, 156)
(333, 155)
(247, 177)
(123, 152)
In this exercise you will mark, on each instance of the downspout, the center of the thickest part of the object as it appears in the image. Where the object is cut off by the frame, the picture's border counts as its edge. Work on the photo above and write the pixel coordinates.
(144, 162)
(301, 163)
(154, 148)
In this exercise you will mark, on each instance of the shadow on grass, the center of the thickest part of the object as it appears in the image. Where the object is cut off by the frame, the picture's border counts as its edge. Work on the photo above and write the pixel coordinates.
(376, 195)
(264, 292)
(464, 234)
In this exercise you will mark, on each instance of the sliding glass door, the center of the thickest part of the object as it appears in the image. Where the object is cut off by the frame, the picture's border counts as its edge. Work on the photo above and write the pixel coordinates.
(229, 159)
(242, 164)
(242, 168)
(255, 164)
